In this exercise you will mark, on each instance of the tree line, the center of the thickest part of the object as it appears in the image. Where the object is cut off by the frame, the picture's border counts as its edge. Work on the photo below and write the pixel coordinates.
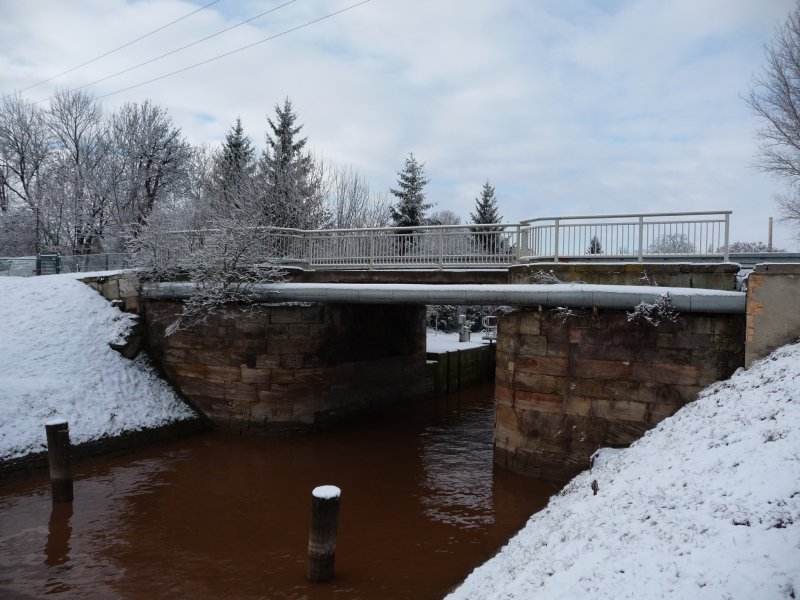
(77, 179)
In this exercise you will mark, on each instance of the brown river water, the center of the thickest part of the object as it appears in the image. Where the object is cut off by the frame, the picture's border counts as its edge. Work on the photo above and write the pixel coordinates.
(225, 516)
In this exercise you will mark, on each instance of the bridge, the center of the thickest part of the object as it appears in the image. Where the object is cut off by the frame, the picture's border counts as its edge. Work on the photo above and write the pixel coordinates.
(574, 369)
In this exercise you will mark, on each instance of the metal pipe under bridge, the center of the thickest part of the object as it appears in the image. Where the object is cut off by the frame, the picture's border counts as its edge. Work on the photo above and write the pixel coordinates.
(687, 300)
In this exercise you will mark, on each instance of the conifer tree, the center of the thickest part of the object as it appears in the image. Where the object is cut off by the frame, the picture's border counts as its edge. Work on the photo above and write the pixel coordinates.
(487, 213)
(235, 168)
(410, 208)
(287, 172)
(594, 246)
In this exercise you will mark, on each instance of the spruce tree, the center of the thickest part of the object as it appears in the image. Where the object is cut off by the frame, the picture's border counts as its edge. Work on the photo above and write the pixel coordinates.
(594, 246)
(290, 198)
(235, 168)
(487, 213)
(410, 208)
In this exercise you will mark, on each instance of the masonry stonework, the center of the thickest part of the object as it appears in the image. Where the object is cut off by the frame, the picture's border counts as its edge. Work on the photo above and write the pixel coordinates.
(712, 276)
(568, 385)
(773, 308)
(285, 368)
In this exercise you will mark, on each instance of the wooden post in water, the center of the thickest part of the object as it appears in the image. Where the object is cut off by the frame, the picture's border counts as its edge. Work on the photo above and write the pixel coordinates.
(58, 456)
(324, 529)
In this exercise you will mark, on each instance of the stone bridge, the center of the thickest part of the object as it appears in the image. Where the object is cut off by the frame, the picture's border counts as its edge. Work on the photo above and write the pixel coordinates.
(573, 373)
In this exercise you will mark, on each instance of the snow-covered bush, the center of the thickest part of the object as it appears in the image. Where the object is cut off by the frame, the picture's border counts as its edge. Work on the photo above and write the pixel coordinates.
(654, 314)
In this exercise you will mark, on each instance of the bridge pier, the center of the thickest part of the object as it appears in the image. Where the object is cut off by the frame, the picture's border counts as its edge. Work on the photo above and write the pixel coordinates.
(287, 367)
(568, 383)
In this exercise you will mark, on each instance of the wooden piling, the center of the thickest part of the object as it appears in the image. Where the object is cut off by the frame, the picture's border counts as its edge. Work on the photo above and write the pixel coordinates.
(324, 529)
(58, 457)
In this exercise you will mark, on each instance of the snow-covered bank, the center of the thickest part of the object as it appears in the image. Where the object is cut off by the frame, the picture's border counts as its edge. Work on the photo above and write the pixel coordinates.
(55, 362)
(439, 341)
(706, 505)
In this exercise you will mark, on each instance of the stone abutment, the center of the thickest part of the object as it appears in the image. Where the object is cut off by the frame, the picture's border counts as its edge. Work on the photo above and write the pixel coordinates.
(570, 382)
(291, 367)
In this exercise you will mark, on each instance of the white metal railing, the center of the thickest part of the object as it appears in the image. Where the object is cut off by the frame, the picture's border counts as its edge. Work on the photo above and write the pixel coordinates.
(653, 236)
(435, 246)
(627, 236)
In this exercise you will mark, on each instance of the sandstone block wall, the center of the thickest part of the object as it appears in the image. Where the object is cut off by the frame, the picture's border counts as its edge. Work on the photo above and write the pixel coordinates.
(691, 275)
(291, 367)
(773, 308)
(566, 387)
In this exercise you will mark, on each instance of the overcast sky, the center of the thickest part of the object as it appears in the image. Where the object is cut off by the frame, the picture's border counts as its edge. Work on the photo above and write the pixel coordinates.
(566, 106)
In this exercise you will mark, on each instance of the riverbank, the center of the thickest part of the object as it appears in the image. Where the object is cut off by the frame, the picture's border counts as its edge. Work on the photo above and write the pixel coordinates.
(55, 361)
(706, 505)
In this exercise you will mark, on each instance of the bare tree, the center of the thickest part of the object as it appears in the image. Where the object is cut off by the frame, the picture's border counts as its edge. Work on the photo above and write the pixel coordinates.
(444, 217)
(78, 198)
(222, 262)
(24, 148)
(744, 247)
(775, 98)
(350, 202)
(17, 233)
(789, 206)
(152, 161)
(672, 243)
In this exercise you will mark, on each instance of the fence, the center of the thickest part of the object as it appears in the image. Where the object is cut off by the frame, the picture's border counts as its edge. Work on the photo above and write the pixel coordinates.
(628, 236)
(654, 236)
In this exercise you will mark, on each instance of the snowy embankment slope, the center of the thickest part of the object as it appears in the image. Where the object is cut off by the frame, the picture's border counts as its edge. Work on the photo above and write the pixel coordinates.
(55, 361)
(706, 505)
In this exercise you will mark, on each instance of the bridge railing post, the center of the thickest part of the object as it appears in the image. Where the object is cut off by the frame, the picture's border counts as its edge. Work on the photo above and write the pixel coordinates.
(372, 235)
(556, 239)
(640, 253)
(726, 254)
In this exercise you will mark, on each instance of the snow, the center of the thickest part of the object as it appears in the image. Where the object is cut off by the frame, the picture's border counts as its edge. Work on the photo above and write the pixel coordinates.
(326, 492)
(706, 505)
(55, 363)
(438, 341)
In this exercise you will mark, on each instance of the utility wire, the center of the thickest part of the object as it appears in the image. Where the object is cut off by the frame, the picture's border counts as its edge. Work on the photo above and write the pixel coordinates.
(96, 58)
(171, 52)
(215, 58)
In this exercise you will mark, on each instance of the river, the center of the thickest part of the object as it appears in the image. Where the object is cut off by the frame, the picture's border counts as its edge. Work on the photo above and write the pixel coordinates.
(226, 516)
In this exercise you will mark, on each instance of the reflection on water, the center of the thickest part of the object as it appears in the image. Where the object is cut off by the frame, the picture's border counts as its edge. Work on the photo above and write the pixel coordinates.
(223, 516)
(457, 462)
(59, 530)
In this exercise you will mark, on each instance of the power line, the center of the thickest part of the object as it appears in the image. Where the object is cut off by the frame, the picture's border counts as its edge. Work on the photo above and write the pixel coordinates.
(201, 40)
(125, 45)
(215, 58)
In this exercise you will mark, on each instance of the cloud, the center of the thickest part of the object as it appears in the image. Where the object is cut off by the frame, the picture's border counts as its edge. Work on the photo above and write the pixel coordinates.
(571, 107)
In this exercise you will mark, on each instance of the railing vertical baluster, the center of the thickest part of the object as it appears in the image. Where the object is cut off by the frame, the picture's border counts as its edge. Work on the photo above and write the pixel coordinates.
(441, 248)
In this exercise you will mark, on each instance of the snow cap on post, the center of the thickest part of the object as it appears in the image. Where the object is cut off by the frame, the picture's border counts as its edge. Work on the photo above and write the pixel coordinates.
(326, 492)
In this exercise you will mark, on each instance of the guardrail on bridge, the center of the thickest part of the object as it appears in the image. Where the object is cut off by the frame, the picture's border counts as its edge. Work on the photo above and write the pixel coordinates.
(635, 237)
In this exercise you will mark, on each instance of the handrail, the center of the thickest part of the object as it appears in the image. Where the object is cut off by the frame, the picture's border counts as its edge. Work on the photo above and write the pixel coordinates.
(631, 237)
(626, 215)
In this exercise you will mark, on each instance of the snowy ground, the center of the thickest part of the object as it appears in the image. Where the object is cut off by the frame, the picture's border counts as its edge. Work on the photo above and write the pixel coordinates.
(438, 341)
(55, 362)
(707, 505)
